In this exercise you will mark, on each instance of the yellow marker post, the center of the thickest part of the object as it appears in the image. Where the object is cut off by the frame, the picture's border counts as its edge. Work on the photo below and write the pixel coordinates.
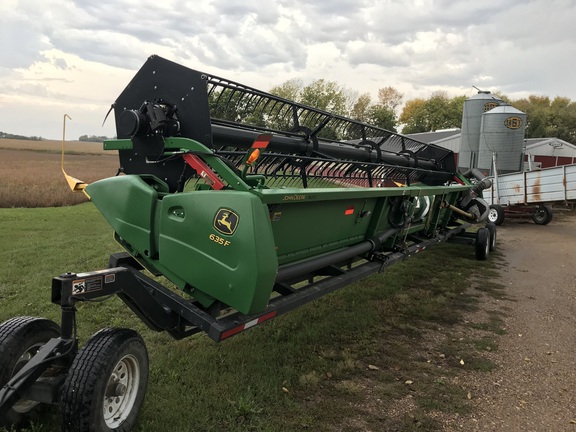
(75, 184)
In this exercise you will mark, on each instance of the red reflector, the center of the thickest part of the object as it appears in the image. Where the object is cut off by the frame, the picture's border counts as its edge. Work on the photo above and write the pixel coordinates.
(231, 332)
(266, 317)
(247, 325)
(349, 211)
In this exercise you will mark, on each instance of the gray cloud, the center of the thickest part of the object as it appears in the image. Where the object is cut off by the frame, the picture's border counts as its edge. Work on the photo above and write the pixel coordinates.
(21, 44)
(378, 54)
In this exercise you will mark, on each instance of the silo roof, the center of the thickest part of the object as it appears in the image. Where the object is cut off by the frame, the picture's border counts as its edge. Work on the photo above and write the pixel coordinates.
(504, 109)
(485, 95)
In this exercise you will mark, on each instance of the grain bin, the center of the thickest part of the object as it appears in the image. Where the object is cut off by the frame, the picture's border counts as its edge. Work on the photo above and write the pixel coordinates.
(502, 133)
(474, 108)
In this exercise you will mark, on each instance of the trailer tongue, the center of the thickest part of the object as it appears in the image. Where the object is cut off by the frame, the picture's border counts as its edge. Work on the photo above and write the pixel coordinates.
(251, 205)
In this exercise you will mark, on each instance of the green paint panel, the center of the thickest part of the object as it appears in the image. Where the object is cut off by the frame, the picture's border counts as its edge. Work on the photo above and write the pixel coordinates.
(305, 229)
(128, 203)
(220, 243)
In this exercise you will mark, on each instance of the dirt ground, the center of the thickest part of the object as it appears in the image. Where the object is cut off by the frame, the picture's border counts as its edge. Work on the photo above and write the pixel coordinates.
(534, 386)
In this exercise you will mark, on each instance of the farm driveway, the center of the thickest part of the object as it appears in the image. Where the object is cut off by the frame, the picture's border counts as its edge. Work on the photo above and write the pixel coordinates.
(534, 387)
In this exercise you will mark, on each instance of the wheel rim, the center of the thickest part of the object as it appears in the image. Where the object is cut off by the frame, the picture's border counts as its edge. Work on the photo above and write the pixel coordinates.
(121, 391)
(24, 406)
(540, 215)
(492, 215)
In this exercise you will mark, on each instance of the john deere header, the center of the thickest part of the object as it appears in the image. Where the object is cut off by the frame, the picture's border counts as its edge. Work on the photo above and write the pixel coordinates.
(225, 185)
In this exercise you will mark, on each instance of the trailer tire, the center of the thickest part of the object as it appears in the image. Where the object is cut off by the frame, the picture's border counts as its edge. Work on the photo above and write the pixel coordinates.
(20, 340)
(542, 214)
(496, 214)
(106, 383)
(492, 228)
(482, 244)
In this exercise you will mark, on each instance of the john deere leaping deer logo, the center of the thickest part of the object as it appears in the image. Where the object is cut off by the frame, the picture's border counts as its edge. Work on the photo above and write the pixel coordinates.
(226, 221)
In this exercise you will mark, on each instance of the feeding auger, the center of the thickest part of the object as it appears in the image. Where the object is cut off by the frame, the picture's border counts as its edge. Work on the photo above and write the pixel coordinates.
(251, 205)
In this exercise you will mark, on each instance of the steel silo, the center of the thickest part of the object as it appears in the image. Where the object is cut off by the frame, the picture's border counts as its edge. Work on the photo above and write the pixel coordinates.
(474, 108)
(502, 135)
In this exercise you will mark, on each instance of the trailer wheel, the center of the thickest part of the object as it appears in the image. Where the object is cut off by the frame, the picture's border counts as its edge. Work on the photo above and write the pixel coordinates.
(106, 384)
(20, 339)
(492, 228)
(496, 214)
(542, 214)
(482, 245)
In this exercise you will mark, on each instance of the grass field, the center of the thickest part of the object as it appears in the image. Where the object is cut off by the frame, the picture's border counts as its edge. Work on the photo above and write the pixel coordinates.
(30, 171)
(341, 363)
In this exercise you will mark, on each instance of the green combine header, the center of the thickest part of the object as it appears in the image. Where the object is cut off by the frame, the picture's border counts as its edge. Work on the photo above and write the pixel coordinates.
(250, 205)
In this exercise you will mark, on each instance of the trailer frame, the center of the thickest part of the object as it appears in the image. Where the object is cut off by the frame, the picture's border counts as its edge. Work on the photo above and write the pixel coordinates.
(530, 193)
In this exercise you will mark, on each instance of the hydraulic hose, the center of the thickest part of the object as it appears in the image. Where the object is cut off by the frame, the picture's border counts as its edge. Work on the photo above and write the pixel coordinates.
(483, 182)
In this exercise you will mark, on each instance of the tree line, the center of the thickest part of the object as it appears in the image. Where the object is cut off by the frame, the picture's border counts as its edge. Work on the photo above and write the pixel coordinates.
(6, 135)
(93, 138)
(546, 117)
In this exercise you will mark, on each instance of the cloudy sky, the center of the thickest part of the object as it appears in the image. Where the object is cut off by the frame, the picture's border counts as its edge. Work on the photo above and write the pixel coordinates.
(75, 57)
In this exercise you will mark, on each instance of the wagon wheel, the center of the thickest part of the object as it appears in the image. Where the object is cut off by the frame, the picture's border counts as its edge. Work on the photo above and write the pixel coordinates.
(492, 228)
(542, 214)
(106, 383)
(482, 245)
(496, 214)
(20, 339)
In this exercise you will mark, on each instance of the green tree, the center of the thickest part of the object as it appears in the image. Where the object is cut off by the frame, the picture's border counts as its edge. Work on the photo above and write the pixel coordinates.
(324, 95)
(320, 94)
(455, 108)
(331, 97)
(562, 119)
(234, 106)
(288, 90)
(360, 109)
(414, 116)
(437, 112)
(549, 118)
(537, 109)
(382, 117)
